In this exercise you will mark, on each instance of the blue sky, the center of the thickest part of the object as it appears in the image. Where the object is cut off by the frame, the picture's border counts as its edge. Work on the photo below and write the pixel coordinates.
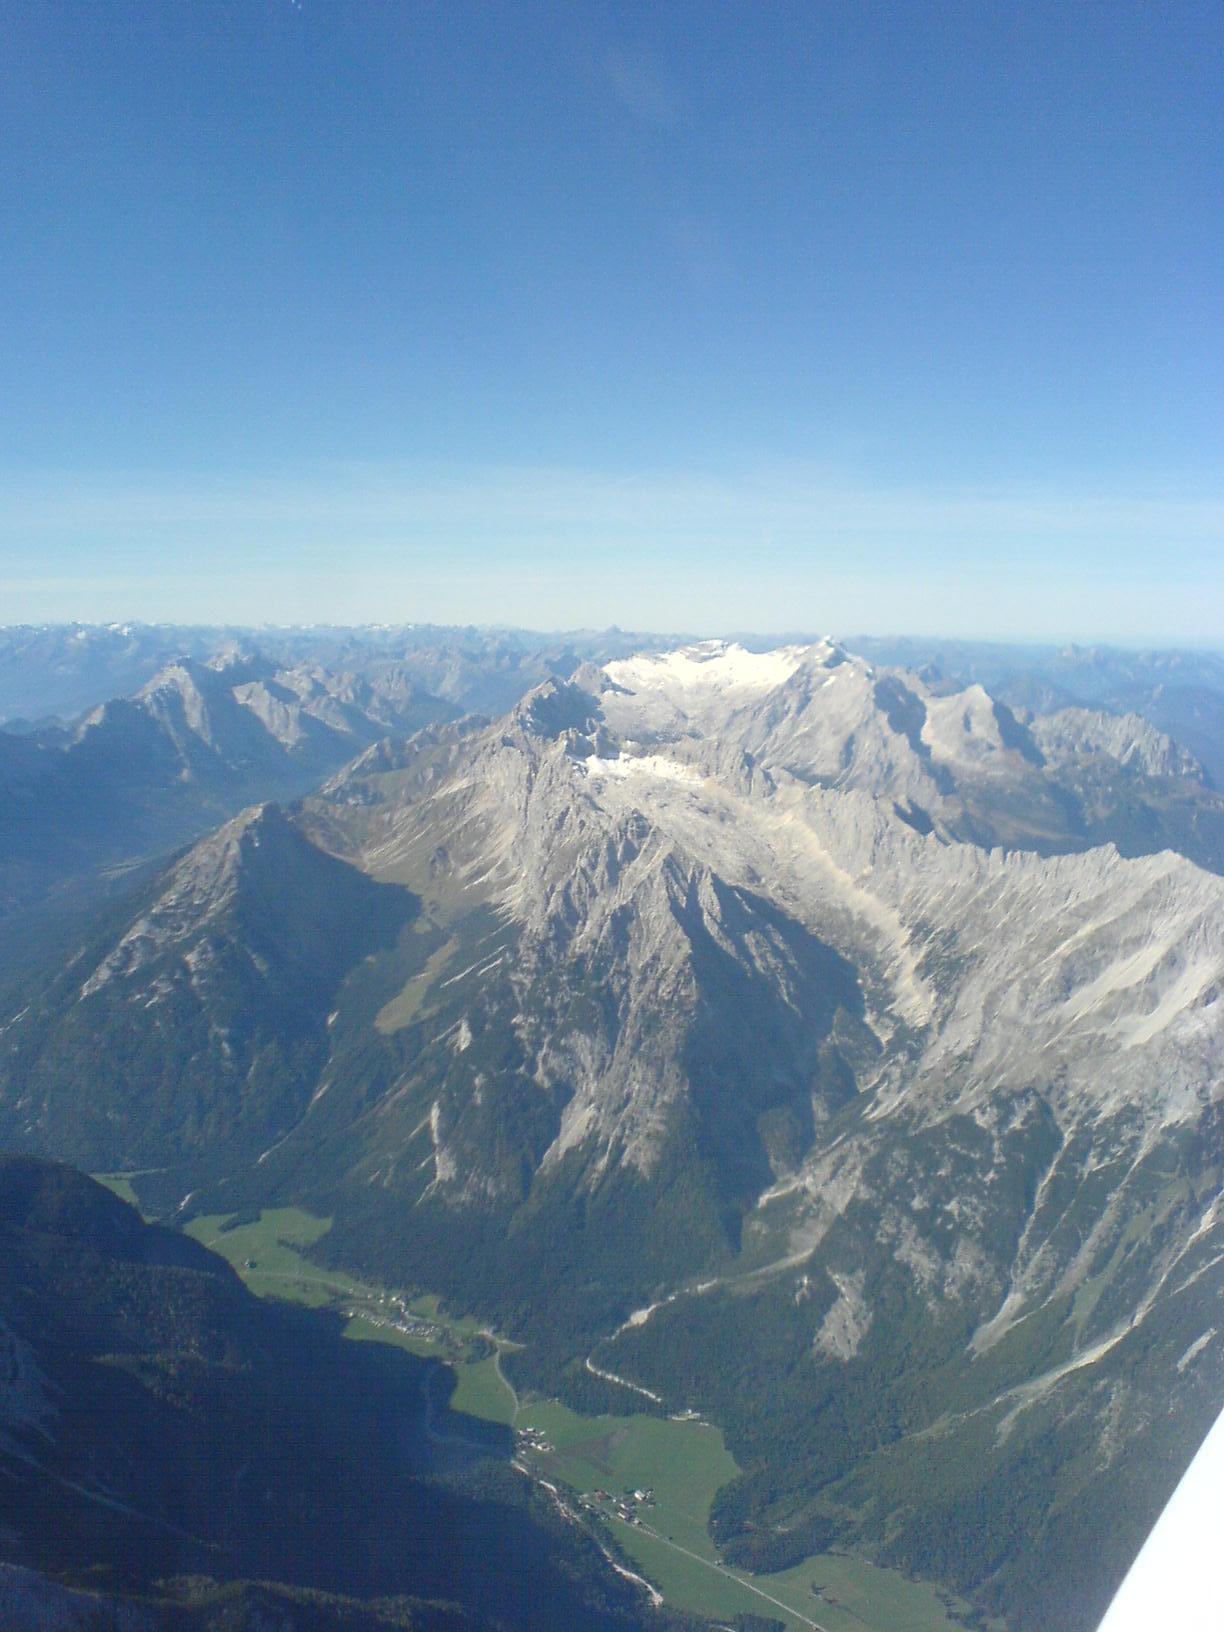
(834, 315)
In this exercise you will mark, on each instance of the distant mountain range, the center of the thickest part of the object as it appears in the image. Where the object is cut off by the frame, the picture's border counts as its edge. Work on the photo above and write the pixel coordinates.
(53, 673)
(1181, 692)
(830, 1048)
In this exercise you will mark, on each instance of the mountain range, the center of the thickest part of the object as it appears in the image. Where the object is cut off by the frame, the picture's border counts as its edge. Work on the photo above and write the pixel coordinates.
(126, 741)
(1181, 692)
(54, 673)
(85, 809)
(827, 1048)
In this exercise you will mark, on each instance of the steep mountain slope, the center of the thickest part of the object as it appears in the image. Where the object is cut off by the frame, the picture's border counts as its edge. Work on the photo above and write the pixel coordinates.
(773, 1034)
(198, 1029)
(166, 1439)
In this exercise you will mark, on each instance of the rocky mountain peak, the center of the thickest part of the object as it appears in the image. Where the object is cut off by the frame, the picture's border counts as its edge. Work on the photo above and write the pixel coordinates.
(556, 707)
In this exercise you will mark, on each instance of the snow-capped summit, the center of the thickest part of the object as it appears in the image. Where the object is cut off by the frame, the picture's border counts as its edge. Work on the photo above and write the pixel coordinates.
(709, 666)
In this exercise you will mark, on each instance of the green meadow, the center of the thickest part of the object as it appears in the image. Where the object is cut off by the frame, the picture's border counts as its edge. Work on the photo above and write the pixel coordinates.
(121, 1184)
(682, 1462)
(268, 1255)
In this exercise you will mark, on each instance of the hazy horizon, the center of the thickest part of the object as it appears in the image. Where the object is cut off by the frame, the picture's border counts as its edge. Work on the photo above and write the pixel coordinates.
(760, 637)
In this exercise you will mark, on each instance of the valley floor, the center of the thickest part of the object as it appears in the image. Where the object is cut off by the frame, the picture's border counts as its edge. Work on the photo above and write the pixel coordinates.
(643, 1485)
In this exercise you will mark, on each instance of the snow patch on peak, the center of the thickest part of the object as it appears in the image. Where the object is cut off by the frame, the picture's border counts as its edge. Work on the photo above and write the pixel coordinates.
(711, 665)
(626, 765)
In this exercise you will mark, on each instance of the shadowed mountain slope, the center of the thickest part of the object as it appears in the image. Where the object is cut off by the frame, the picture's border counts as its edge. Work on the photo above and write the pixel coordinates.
(167, 1441)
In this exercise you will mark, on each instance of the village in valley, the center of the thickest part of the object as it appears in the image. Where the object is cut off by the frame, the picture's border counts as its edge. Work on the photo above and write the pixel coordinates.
(626, 1505)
